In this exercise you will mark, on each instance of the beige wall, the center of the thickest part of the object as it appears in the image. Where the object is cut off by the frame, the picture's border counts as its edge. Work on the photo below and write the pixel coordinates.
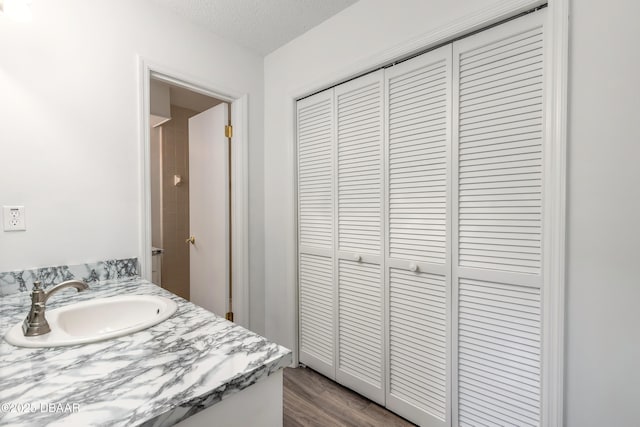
(175, 202)
(156, 188)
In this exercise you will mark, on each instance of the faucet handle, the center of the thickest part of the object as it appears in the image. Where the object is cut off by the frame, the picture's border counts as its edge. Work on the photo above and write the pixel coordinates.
(36, 322)
(37, 293)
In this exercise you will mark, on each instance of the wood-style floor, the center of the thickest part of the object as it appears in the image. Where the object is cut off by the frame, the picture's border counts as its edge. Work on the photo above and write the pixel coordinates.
(311, 400)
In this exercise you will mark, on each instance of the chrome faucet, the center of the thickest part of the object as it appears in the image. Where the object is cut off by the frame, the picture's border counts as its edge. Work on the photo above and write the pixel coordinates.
(36, 323)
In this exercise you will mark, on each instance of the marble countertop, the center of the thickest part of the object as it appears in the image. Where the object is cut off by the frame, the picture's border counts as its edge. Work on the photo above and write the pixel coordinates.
(155, 377)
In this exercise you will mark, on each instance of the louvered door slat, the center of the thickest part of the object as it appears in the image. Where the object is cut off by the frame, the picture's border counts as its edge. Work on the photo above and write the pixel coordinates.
(498, 253)
(499, 356)
(502, 51)
(359, 232)
(359, 138)
(315, 232)
(360, 321)
(500, 152)
(418, 330)
(418, 157)
(316, 305)
(418, 110)
(315, 151)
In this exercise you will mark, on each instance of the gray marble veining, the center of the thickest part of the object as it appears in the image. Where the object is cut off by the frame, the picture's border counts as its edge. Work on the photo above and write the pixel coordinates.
(155, 377)
(12, 282)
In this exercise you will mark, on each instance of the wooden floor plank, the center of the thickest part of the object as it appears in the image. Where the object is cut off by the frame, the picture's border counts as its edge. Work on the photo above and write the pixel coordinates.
(312, 400)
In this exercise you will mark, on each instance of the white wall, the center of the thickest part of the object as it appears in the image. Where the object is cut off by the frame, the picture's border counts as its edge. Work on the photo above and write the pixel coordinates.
(603, 246)
(603, 268)
(357, 35)
(69, 125)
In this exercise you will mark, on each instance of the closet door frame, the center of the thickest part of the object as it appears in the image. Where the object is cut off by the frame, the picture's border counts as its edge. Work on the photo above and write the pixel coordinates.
(555, 169)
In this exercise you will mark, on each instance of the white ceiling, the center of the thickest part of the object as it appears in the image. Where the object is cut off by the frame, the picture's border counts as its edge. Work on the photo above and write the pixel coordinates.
(260, 25)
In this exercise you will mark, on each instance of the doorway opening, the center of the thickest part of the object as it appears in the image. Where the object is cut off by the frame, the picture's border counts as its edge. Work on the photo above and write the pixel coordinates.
(193, 234)
(190, 204)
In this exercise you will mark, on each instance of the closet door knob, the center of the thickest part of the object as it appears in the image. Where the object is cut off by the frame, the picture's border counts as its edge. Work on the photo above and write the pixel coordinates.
(413, 267)
(357, 258)
(191, 240)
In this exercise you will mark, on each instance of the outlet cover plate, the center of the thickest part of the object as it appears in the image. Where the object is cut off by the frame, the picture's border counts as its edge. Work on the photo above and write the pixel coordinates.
(13, 218)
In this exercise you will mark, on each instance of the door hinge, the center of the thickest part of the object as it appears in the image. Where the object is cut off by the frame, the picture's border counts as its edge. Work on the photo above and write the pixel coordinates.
(229, 316)
(228, 131)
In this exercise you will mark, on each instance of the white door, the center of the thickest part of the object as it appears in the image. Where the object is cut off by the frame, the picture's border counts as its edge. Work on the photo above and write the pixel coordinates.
(418, 262)
(315, 232)
(498, 203)
(434, 175)
(209, 209)
(359, 237)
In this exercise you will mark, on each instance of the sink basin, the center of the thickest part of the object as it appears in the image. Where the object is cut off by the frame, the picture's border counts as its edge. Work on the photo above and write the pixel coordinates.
(97, 320)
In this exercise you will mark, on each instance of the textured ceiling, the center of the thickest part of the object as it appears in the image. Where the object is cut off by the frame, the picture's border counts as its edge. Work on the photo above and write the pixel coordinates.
(260, 25)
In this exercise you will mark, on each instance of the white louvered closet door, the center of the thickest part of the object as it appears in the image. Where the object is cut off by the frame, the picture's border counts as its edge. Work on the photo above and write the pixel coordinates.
(359, 231)
(418, 103)
(420, 215)
(498, 204)
(315, 130)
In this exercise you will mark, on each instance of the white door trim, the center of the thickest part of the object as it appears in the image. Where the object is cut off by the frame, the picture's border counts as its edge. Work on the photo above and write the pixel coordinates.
(240, 174)
(556, 51)
(553, 292)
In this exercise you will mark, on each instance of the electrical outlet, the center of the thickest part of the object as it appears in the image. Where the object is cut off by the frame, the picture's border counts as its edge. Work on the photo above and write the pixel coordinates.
(14, 218)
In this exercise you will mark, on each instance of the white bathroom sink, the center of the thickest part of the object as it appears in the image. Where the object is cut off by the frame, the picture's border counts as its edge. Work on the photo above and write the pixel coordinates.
(97, 320)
